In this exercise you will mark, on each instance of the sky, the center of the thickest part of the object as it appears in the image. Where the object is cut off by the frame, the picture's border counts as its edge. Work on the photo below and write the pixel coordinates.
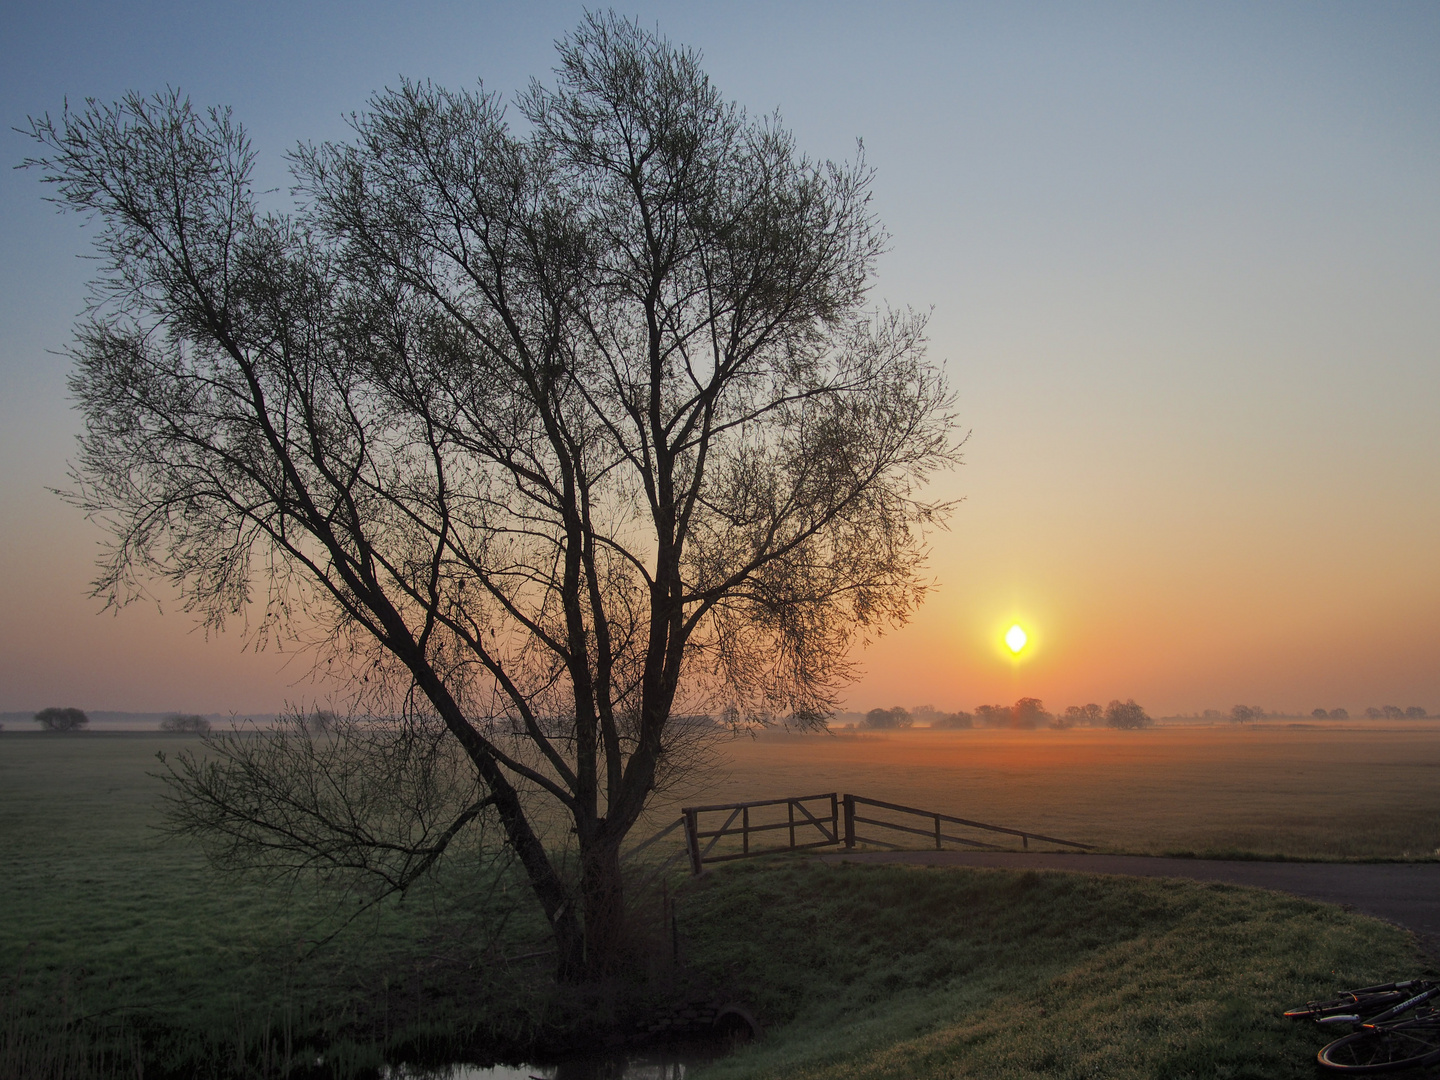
(1183, 268)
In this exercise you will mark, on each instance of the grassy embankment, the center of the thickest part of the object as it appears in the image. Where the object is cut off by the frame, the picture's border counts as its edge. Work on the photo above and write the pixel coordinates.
(111, 939)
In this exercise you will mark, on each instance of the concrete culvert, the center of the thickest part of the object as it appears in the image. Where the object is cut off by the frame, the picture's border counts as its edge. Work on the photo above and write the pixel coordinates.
(737, 1024)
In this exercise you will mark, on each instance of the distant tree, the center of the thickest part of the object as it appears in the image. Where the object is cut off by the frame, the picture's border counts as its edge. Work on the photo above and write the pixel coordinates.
(952, 721)
(1242, 714)
(319, 721)
(185, 723)
(1416, 712)
(1028, 713)
(887, 718)
(1063, 721)
(1372, 713)
(1393, 712)
(1319, 714)
(1126, 715)
(1339, 714)
(993, 715)
(1213, 714)
(56, 719)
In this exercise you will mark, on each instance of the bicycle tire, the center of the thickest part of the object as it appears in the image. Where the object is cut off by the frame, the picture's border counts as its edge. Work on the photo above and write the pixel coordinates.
(1399, 1046)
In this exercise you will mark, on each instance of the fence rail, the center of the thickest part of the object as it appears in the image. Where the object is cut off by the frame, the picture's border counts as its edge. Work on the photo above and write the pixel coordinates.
(851, 818)
(833, 821)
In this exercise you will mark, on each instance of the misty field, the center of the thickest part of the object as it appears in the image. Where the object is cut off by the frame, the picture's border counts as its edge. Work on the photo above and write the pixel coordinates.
(118, 943)
(1324, 790)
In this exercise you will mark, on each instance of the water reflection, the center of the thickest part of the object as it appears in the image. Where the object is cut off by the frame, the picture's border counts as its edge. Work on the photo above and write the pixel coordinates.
(674, 1062)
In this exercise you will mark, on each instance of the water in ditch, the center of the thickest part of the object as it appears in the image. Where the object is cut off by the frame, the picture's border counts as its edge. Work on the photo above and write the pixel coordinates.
(673, 1061)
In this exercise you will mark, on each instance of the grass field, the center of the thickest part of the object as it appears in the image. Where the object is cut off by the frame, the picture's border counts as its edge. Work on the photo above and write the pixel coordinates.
(117, 940)
(1328, 790)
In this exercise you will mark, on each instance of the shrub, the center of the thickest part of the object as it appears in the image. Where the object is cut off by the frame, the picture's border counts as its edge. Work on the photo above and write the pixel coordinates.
(186, 723)
(952, 721)
(56, 719)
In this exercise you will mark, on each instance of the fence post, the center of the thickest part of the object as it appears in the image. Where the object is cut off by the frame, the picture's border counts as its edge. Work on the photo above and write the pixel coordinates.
(745, 831)
(692, 841)
(834, 818)
(790, 806)
(937, 832)
(849, 821)
(1025, 841)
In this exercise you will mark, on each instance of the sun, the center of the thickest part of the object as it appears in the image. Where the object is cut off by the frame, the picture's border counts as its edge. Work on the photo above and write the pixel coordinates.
(1016, 638)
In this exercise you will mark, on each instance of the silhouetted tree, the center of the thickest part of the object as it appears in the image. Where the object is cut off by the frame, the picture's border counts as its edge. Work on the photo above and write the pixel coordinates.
(1028, 713)
(952, 721)
(550, 433)
(1416, 712)
(993, 715)
(1319, 714)
(1339, 714)
(1372, 713)
(57, 719)
(1126, 715)
(1242, 714)
(887, 718)
(185, 723)
(1092, 715)
(1393, 712)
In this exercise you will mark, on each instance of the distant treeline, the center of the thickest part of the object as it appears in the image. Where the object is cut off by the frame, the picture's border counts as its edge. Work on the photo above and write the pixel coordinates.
(1030, 713)
(1027, 713)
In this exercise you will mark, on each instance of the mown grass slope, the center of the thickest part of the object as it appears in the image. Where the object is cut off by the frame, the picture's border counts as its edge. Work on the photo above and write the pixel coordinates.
(893, 971)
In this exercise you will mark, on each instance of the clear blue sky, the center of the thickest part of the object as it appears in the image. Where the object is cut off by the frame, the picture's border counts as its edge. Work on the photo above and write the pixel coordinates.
(1183, 261)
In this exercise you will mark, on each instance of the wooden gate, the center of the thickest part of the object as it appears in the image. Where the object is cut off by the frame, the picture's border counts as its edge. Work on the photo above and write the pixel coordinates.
(798, 816)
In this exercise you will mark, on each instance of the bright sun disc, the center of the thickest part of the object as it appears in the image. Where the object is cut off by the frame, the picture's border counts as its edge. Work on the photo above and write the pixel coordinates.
(1016, 638)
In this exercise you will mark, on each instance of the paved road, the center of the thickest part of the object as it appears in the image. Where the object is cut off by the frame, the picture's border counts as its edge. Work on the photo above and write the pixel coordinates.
(1407, 894)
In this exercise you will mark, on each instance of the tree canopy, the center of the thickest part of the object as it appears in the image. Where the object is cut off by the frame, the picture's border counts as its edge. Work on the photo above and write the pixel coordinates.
(542, 431)
(58, 719)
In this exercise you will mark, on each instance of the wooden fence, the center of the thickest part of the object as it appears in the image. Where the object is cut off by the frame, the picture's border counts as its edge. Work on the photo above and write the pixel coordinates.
(825, 820)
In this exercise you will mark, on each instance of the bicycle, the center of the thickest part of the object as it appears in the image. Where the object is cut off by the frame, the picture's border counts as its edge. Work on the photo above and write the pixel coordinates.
(1399, 1028)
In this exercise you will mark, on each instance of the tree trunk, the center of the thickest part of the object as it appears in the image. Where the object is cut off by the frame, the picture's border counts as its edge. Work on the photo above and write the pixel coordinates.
(602, 900)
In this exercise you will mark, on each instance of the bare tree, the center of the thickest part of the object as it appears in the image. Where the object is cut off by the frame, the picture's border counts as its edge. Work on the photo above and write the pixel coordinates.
(547, 435)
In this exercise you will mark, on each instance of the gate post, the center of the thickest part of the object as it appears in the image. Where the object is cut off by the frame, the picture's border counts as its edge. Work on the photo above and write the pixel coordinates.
(692, 841)
(849, 821)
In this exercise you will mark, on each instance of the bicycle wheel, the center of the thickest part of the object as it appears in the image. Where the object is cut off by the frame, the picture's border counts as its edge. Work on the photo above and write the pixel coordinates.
(1388, 1047)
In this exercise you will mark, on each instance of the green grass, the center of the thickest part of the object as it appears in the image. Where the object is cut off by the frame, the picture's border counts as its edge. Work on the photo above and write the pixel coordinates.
(118, 946)
(892, 971)
(115, 937)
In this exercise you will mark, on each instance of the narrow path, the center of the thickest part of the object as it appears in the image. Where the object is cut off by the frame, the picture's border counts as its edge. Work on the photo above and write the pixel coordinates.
(1407, 894)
